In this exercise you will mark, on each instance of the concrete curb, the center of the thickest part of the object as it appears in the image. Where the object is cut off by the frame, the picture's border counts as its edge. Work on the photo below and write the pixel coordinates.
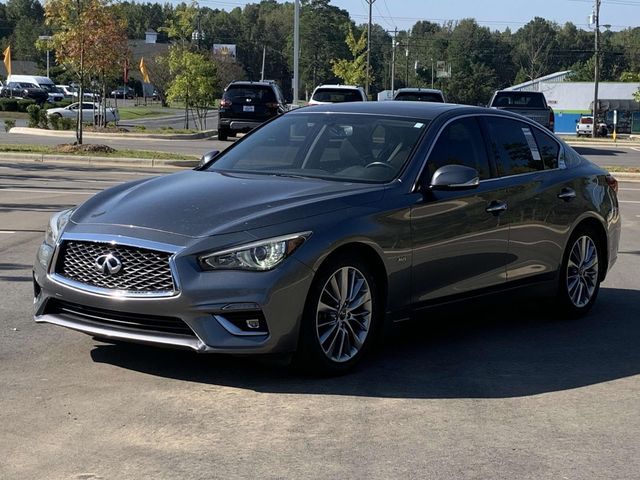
(71, 134)
(96, 161)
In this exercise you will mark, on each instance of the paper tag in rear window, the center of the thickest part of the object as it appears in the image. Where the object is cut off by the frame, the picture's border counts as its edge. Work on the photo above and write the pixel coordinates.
(533, 146)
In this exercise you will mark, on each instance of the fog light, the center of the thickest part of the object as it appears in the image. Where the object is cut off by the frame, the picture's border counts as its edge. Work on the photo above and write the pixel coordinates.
(253, 323)
(44, 255)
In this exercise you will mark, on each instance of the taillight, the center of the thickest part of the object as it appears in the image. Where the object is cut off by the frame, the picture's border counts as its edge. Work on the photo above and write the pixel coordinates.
(271, 105)
(552, 120)
(225, 103)
(612, 182)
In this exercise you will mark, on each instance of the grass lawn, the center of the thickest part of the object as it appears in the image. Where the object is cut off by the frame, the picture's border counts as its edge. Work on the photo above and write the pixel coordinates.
(134, 113)
(52, 150)
(13, 116)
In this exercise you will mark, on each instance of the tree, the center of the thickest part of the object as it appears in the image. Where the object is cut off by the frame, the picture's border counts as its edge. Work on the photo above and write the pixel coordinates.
(87, 38)
(534, 44)
(195, 82)
(637, 95)
(353, 72)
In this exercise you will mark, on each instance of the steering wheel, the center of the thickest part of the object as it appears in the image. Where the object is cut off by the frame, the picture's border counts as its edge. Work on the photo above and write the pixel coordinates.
(379, 164)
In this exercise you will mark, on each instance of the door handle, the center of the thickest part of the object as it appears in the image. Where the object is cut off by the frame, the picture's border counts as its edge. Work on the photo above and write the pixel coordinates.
(567, 194)
(496, 207)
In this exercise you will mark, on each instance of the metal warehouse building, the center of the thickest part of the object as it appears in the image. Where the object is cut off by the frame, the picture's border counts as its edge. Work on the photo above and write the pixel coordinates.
(570, 100)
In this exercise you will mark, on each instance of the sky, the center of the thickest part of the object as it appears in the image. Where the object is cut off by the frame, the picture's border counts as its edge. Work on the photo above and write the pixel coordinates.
(496, 14)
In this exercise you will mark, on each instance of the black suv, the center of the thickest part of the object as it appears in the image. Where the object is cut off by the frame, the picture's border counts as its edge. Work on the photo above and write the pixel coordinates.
(246, 105)
(25, 90)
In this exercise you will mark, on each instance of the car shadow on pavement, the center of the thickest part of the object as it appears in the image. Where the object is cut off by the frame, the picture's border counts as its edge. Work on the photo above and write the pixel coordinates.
(507, 350)
(607, 152)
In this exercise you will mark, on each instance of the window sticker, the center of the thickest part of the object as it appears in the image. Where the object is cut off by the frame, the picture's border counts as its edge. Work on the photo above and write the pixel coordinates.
(418, 125)
(533, 146)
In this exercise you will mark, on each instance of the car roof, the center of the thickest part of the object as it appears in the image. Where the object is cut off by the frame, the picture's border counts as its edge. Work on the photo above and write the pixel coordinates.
(247, 82)
(338, 86)
(418, 90)
(423, 110)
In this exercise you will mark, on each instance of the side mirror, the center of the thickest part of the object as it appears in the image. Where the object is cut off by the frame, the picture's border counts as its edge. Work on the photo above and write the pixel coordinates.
(207, 157)
(455, 177)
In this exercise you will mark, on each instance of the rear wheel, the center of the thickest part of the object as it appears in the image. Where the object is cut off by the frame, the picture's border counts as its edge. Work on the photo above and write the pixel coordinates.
(223, 134)
(580, 274)
(341, 317)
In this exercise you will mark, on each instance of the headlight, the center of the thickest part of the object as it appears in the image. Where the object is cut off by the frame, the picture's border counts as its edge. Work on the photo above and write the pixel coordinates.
(260, 256)
(56, 225)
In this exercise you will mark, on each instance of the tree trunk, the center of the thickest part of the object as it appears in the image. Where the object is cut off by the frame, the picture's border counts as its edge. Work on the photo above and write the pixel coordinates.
(80, 98)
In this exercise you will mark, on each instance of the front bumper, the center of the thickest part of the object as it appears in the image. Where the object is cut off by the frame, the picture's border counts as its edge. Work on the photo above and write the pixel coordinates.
(207, 302)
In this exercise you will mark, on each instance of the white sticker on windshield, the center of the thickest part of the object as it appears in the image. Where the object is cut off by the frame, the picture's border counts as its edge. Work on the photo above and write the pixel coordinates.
(533, 146)
(418, 125)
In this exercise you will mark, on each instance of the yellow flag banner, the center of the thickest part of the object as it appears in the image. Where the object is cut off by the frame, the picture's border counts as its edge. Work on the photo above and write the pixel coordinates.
(143, 70)
(7, 60)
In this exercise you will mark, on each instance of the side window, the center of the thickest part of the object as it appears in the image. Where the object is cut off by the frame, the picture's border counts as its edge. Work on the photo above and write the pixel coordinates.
(460, 143)
(514, 146)
(548, 148)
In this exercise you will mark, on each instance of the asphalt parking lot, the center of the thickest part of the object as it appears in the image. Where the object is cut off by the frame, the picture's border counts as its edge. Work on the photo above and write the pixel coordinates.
(505, 389)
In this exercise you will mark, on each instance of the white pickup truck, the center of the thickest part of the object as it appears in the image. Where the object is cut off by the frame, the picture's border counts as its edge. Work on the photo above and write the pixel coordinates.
(584, 126)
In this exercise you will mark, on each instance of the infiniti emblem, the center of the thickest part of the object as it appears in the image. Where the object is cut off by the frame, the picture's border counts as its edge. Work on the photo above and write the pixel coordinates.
(108, 264)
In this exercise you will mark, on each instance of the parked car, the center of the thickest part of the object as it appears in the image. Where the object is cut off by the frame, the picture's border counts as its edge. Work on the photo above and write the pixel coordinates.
(320, 228)
(45, 83)
(246, 105)
(419, 95)
(25, 90)
(324, 94)
(123, 92)
(584, 126)
(532, 105)
(71, 92)
(90, 111)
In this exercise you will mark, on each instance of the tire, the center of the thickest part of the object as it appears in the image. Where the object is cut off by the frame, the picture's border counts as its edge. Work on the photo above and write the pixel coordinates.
(333, 340)
(223, 134)
(579, 279)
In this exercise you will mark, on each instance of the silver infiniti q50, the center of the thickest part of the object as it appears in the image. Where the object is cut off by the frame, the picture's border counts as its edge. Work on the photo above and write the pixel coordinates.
(327, 224)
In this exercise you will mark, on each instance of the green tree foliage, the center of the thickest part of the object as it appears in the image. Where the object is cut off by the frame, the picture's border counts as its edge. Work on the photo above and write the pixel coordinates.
(354, 71)
(195, 82)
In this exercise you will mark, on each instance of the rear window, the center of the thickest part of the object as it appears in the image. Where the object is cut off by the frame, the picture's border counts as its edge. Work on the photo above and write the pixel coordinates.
(586, 121)
(519, 100)
(337, 95)
(419, 97)
(257, 93)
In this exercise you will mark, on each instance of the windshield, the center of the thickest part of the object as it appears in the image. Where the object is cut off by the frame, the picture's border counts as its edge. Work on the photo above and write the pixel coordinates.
(337, 95)
(346, 147)
(49, 87)
(258, 93)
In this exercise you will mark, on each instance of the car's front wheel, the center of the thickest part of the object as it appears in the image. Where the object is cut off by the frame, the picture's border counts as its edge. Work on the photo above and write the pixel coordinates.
(341, 317)
(580, 273)
(223, 134)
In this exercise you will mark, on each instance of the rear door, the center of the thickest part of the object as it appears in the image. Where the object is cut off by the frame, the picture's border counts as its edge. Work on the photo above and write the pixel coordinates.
(460, 238)
(539, 196)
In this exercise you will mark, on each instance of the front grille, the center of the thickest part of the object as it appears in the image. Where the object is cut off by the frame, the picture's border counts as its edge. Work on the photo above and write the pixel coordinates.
(142, 270)
(111, 318)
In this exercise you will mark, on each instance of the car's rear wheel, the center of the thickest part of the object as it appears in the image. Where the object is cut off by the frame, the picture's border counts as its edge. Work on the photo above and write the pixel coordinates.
(223, 134)
(580, 273)
(341, 317)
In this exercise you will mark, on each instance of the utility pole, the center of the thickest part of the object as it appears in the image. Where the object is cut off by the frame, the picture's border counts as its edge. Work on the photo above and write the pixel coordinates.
(431, 73)
(366, 89)
(597, 67)
(406, 54)
(393, 62)
(264, 55)
(296, 50)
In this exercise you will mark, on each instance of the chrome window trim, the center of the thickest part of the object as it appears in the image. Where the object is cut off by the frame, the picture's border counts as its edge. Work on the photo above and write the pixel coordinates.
(416, 186)
(116, 240)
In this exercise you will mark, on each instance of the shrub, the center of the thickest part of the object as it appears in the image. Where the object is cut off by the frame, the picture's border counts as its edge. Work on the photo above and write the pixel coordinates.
(67, 123)
(34, 115)
(25, 103)
(54, 121)
(60, 104)
(9, 104)
(9, 124)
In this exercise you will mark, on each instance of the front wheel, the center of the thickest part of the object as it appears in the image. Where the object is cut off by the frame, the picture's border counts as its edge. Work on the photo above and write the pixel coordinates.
(223, 134)
(341, 317)
(580, 273)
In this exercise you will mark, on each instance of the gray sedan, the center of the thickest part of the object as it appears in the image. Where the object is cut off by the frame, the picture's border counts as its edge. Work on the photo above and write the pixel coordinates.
(324, 226)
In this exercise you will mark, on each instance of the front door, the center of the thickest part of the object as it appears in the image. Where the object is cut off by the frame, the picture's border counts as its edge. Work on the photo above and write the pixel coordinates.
(460, 238)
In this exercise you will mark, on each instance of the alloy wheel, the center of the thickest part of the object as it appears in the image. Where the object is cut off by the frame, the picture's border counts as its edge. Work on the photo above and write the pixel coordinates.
(343, 314)
(582, 271)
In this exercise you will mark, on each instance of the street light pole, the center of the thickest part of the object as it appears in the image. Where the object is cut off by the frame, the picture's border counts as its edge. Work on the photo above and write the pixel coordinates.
(393, 62)
(370, 2)
(596, 68)
(296, 51)
(47, 38)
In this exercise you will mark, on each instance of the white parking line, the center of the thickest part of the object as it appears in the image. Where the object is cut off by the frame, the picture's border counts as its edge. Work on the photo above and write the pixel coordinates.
(37, 190)
(636, 149)
(630, 189)
(7, 231)
(628, 201)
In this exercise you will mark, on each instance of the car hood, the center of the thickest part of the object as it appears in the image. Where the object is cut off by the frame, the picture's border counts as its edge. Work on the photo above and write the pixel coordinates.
(204, 203)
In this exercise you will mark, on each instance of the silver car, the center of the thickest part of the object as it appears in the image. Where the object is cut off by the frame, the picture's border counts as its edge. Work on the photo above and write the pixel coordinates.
(324, 226)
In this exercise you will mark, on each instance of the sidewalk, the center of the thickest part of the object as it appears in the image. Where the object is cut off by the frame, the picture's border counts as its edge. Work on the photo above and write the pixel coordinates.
(72, 135)
(96, 160)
